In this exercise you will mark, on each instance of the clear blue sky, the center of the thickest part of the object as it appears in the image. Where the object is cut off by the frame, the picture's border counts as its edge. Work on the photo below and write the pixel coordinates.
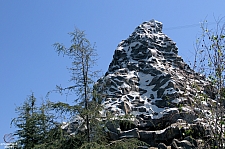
(28, 62)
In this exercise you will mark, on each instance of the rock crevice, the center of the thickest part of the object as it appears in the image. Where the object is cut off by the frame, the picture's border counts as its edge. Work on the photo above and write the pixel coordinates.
(147, 79)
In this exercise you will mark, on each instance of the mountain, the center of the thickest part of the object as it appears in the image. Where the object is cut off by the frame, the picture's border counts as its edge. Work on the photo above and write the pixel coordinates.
(148, 80)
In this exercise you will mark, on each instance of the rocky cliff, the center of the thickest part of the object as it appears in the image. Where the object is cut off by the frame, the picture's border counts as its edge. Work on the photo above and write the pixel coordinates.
(148, 80)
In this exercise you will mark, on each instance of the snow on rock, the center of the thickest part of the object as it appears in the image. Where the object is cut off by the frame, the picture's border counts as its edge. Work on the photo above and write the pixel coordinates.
(147, 78)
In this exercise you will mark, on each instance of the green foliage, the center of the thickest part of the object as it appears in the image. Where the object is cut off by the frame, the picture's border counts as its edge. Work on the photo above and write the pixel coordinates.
(188, 132)
(92, 145)
(32, 123)
(97, 133)
(83, 56)
(180, 107)
(38, 126)
(119, 144)
(210, 61)
(126, 144)
(125, 122)
(27, 122)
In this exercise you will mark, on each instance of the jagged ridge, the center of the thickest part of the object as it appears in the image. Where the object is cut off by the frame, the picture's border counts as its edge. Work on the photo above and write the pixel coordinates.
(147, 79)
(146, 76)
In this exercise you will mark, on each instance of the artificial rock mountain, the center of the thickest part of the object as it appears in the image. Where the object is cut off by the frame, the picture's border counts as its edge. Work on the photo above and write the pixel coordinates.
(147, 79)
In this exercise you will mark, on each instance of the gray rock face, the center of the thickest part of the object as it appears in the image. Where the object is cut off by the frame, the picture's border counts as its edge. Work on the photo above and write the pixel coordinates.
(184, 144)
(147, 77)
(162, 146)
(148, 80)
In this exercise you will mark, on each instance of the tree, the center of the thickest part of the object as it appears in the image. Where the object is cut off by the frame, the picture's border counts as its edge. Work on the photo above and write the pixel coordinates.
(83, 56)
(31, 123)
(38, 128)
(28, 132)
(210, 61)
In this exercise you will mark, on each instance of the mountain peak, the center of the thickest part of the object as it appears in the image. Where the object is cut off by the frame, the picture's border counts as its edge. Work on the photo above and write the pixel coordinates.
(151, 26)
(146, 77)
(150, 82)
(147, 44)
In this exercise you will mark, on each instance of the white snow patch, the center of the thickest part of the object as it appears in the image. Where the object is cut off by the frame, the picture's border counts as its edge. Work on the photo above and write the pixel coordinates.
(64, 125)
(204, 103)
(160, 131)
(177, 100)
(186, 109)
(124, 85)
(169, 91)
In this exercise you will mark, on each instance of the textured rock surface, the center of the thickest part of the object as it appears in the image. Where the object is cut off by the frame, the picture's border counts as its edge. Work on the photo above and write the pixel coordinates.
(150, 82)
(148, 79)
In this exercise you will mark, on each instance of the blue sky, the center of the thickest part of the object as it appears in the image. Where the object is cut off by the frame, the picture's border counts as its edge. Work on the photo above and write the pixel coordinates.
(28, 29)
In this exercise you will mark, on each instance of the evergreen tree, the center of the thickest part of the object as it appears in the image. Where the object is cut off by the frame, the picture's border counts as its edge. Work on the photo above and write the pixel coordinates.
(28, 132)
(37, 127)
(88, 108)
(83, 57)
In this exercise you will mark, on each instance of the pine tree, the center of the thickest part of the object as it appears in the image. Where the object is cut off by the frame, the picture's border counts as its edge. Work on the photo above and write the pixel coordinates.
(83, 57)
(28, 132)
(37, 126)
